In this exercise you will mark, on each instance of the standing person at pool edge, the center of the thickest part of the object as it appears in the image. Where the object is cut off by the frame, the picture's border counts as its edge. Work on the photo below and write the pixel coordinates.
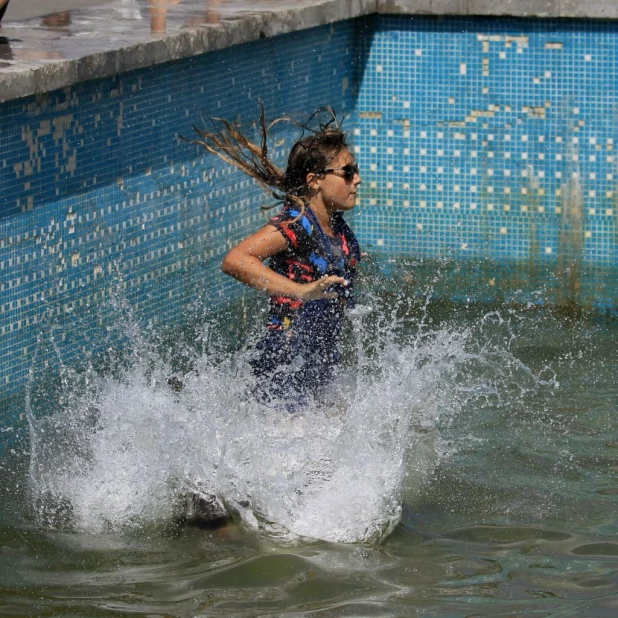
(312, 253)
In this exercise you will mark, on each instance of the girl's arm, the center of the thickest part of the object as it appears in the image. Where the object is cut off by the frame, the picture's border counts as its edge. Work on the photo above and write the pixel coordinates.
(245, 262)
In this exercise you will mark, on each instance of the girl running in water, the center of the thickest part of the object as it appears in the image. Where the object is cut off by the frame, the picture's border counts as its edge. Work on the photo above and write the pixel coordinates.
(305, 257)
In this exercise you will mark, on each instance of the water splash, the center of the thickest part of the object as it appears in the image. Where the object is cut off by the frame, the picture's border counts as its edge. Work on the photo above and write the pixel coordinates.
(121, 451)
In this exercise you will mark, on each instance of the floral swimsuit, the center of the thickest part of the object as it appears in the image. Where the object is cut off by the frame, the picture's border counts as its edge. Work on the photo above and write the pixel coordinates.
(298, 356)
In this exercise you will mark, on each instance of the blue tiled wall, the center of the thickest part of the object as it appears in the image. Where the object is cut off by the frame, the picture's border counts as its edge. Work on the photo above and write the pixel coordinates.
(493, 141)
(102, 204)
(486, 144)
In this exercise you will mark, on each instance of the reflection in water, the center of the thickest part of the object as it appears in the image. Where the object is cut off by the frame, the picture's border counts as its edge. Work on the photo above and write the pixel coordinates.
(158, 14)
(40, 54)
(125, 13)
(159, 9)
(211, 15)
(57, 20)
(5, 50)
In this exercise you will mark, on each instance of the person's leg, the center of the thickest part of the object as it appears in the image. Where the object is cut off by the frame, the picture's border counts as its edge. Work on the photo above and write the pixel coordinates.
(5, 48)
(3, 5)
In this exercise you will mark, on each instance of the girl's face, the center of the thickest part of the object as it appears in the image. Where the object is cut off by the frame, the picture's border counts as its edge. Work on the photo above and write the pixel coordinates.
(339, 184)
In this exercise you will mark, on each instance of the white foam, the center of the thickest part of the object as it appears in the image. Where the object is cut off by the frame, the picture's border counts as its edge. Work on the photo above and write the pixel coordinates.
(336, 472)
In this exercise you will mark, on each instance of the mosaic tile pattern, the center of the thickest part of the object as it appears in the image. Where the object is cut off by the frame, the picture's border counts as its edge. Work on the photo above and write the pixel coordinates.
(485, 144)
(493, 139)
(104, 208)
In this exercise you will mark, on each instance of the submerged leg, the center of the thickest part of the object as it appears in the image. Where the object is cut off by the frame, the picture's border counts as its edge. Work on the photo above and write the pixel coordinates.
(204, 511)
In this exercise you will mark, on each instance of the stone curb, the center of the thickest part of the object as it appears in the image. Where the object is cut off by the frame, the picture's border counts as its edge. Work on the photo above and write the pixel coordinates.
(24, 79)
(591, 9)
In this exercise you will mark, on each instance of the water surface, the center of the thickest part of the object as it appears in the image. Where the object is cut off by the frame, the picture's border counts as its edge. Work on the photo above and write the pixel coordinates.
(466, 467)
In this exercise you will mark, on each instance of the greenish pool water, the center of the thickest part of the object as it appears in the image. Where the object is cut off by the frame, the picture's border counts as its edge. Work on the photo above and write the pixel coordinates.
(485, 437)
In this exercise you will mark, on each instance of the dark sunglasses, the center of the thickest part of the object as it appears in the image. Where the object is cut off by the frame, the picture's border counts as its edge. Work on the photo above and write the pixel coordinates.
(349, 171)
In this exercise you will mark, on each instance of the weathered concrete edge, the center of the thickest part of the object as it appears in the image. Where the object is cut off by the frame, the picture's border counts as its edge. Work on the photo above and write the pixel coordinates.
(63, 73)
(580, 9)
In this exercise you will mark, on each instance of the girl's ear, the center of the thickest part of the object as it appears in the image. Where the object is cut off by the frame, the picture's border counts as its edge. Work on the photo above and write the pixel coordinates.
(312, 180)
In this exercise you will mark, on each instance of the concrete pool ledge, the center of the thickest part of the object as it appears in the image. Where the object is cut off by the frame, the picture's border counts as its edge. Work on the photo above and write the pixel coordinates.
(97, 42)
(102, 41)
(595, 9)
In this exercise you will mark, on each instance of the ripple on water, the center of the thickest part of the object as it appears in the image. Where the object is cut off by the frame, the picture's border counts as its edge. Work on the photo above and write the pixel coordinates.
(502, 474)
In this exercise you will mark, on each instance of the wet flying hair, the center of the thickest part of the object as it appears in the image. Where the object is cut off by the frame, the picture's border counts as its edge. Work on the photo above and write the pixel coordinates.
(312, 153)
